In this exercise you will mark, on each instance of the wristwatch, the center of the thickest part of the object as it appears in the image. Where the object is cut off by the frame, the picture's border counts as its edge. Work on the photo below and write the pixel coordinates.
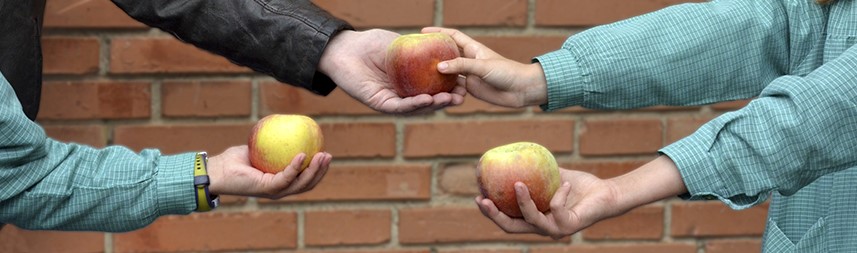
(204, 200)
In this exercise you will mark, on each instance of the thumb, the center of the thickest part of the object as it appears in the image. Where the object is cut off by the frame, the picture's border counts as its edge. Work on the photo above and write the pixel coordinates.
(464, 66)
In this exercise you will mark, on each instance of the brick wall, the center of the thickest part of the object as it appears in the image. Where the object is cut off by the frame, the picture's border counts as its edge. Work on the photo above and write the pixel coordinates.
(397, 184)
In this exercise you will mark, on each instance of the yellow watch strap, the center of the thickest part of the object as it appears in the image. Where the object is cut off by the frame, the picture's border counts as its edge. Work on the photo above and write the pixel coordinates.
(204, 201)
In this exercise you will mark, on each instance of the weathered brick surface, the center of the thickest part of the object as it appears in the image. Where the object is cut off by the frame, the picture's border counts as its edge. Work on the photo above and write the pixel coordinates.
(13, 239)
(501, 13)
(382, 13)
(216, 231)
(347, 227)
(95, 100)
(620, 137)
(643, 223)
(138, 55)
(87, 15)
(206, 98)
(475, 137)
(369, 183)
(70, 55)
(621, 248)
(453, 224)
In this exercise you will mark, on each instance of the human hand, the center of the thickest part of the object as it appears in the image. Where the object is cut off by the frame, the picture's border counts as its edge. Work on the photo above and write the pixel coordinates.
(580, 201)
(230, 173)
(491, 77)
(355, 62)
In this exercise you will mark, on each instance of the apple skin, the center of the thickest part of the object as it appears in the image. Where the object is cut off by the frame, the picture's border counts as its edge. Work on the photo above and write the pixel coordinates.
(411, 63)
(276, 139)
(532, 164)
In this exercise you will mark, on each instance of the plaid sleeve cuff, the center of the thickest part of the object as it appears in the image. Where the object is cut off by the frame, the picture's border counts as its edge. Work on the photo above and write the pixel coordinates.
(564, 79)
(701, 175)
(175, 184)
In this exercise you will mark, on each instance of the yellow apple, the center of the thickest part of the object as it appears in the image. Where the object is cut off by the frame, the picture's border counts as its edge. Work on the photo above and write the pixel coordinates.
(532, 164)
(276, 139)
(412, 60)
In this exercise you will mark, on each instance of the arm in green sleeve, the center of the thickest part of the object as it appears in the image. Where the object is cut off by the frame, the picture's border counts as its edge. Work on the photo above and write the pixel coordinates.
(59, 186)
(799, 129)
(687, 54)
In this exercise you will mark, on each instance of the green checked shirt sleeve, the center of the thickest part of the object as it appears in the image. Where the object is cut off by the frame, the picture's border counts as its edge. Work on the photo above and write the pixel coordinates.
(796, 57)
(58, 186)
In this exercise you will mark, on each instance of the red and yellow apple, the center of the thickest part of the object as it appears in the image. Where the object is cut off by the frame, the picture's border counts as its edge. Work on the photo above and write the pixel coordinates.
(276, 139)
(532, 164)
(412, 60)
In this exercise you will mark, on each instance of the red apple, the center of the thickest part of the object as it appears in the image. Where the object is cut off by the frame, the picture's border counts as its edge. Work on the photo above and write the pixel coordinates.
(412, 60)
(276, 139)
(530, 163)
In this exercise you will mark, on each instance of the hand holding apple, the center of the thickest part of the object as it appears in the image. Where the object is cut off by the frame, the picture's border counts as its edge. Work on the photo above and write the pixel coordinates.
(412, 60)
(276, 139)
(532, 164)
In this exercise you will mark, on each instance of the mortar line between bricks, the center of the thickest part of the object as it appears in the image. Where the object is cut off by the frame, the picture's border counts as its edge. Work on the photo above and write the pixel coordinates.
(531, 15)
(108, 242)
(156, 108)
(438, 13)
(301, 229)
(254, 100)
(394, 228)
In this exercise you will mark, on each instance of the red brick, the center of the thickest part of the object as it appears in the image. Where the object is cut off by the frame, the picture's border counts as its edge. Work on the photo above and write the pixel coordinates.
(475, 137)
(644, 223)
(731, 105)
(92, 135)
(66, 55)
(13, 239)
(358, 251)
(678, 128)
(172, 139)
(368, 182)
(359, 139)
(522, 48)
(623, 248)
(377, 13)
(588, 13)
(213, 232)
(604, 169)
(706, 219)
(733, 246)
(347, 227)
(459, 179)
(278, 98)
(95, 100)
(165, 55)
(206, 98)
(454, 225)
(500, 13)
(87, 14)
(478, 250)
(620, 137)
(474, 105)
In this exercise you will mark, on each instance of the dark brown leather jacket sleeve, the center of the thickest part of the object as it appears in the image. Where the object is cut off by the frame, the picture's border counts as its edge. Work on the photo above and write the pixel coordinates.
(280, 38)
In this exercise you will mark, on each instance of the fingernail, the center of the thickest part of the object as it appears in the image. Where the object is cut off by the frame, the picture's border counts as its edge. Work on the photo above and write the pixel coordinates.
(442, 66)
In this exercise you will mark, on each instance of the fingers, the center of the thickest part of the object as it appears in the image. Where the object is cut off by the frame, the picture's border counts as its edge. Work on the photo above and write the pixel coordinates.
(464, 66)
(470, 47)
(528, 208)
(558, 210)
(284, 178)
(325, 165)
(306, 176)
(508, 224)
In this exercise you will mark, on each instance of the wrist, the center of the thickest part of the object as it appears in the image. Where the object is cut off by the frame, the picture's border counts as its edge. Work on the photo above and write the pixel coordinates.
(327, 63)
(656, 180)
(536, 93)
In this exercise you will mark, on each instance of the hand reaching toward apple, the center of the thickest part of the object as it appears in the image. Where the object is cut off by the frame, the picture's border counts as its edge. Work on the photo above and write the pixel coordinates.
(580, 201)
(492, 77)
(230, 173)
(355, 61)
(584, 199)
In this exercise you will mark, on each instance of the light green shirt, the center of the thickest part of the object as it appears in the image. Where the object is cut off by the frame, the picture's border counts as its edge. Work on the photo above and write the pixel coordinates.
(58, 186)
(796, 141)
